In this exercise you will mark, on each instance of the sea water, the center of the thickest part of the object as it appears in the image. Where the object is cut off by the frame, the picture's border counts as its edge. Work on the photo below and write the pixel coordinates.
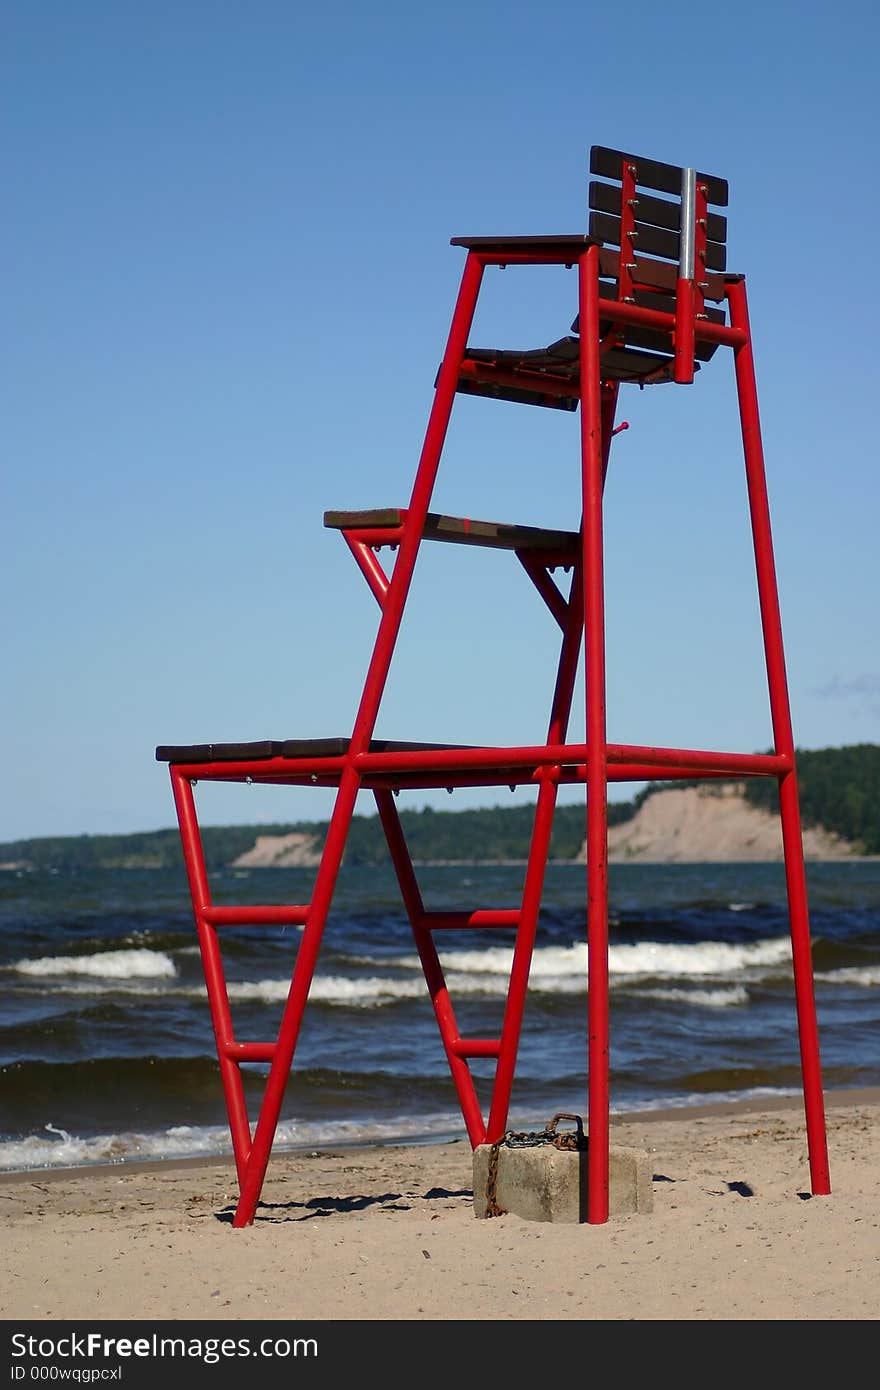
(107, 1052)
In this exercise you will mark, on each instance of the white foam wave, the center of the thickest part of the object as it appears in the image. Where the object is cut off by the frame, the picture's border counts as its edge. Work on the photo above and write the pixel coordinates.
(36, 1151)
(703, 958)
(866, 975)
(681, 1100)
(107, 965)
(376, 991)
(71, 1151)
(365, 992)
(149, 989)
(66, 1150)
(497, 960)
(652, 958)
(730, 998)
(554, 970)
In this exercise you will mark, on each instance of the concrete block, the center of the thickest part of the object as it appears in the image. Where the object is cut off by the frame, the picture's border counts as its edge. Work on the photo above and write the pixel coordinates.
(542, 1183)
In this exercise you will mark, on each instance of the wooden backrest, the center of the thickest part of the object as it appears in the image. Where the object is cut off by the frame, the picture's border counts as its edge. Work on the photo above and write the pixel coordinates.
(645, 226)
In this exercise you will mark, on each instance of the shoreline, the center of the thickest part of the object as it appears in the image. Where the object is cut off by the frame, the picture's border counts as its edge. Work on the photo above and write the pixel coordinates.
(388, 1232)
(664, 1113)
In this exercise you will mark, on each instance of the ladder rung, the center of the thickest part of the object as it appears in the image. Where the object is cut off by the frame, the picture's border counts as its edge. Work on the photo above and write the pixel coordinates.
(284, 914)
(476, 1047)
(482, 917)
(248, 1052)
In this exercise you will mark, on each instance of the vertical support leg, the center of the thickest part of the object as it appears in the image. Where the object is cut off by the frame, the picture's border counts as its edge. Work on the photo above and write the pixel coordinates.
(789, 806)
(212, 964)
(294, 1008)
(573, 630)
(597, 754)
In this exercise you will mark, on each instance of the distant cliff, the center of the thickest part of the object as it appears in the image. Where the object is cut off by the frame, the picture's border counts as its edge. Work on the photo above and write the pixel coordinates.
(711, 823)
(281, 852)
(675, 825)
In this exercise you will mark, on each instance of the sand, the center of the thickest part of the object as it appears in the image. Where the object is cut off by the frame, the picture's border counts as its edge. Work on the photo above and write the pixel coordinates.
(390, 1234)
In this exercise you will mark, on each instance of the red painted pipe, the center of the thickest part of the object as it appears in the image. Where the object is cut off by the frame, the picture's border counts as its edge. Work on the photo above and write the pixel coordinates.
(780, 710)
(597, 784)
(212, 965)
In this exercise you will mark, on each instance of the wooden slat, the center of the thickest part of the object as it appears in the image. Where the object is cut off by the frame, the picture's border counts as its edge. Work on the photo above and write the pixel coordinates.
(574, 241)
(605, 197)
(659, 275)
(625, 364)
(620, 362)
(286, 748)
(561, 362)
(666, 178)
(654, 241)
(460, 530)
(497, 535)
(331, 747)
(561, 354)
(375, 516)
(656, 340)
(545, 376)
(651, 300)
(218, 752)
(517, 395)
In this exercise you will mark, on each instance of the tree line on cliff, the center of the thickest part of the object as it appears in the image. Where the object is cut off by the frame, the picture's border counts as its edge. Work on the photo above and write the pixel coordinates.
(839, 790)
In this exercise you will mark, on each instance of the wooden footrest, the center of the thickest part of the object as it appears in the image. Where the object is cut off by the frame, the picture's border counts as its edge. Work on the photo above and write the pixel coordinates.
(283, 748)
(458, 530)
(322, 762)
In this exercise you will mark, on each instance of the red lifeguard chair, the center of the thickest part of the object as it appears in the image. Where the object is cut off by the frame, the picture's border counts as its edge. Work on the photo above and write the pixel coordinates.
(655, 302)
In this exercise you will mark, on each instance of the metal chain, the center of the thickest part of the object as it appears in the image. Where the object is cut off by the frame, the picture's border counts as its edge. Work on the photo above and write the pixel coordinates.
(522, 1139)
(492, 1207)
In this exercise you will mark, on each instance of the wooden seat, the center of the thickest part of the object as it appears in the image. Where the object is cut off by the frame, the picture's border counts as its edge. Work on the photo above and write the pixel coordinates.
(649, 230)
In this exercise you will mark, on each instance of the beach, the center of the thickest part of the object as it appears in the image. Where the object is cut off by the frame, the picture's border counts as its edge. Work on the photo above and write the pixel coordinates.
(388, 1233)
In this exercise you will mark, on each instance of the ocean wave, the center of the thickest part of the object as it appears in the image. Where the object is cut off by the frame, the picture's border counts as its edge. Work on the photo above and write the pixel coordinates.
(686, 1100)
(108, 965)
(644, 958)
(554, 970)
(332, 989)
(375, 991)
(56, 1148)
(731, 998)
(703, 958)
(53, 1147)
(556, 961)
(866, 975)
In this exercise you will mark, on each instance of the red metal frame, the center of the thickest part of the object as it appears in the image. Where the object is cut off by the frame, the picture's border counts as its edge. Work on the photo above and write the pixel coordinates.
(594, 763)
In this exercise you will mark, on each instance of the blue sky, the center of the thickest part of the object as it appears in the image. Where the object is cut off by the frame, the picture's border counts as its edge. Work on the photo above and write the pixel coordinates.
(228, 282)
